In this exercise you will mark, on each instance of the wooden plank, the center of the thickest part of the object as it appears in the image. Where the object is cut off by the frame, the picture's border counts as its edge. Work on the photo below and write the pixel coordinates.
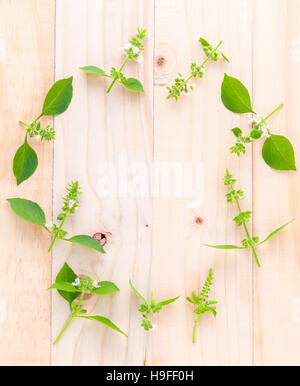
(160, 246)
(277, 284)
(26, 73)
(197, 129)
(101, 128)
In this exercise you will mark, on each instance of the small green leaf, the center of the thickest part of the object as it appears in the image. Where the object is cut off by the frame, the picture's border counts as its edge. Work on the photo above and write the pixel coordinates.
(275, 232)
(237, 132)
(103, 320)
(25, 163)
(191, 301)
(66, 274)
(166, 302)
(235, 96)
(94, 70)
(63, 286)
(256, 134)
(225, 58)
(28, 210)
(86, 241)
(59, 97)
(224, 246)
(133, 85)
(204, 42)
(137, 293)
(212, 310)
(106, 288)
(278, 153)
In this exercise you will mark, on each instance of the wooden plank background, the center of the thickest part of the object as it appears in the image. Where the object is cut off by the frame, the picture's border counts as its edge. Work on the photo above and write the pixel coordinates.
(157, 242)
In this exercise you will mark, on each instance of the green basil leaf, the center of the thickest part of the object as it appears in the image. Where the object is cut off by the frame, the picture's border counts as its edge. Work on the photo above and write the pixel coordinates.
(224, 246)
(103, 320)
(275, 232)
(225, 58)
(212, 310)
(204, 42)
(93, 70)
(235, 96)
(28, 210)
(106, 288)
(86, 241)
(66, 274)
(59, 97)
(166, 302)
(63, 286)
(190, 300)
(237, 132)
(256, 134)
(25, 163)
(137, 292)
(278, 153)
(133, 85)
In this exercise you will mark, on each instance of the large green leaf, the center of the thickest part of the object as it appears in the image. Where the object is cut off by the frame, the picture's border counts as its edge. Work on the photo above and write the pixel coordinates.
(59, 97)
(235, 96)
(66, 274)
(106, 288)
(25, 163)
(28, 210)
(63, 286)
(94, 70)
(133, 85)
(272, 234)
(224, 246)
(278, 153)
(103, 320)
(86, 241)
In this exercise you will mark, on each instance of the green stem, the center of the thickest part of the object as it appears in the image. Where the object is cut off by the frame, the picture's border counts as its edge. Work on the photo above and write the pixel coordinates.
(59, 228)
(207, 59)
(195, 327)
(79, 303)
(115, 78)
(247, 233)
(74, 314)
(63, 330)
(40, 116)
(273, 112)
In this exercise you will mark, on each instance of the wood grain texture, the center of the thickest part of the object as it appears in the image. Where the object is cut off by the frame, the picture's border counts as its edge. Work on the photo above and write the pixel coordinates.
(97, 130)
(277, 285)
(26, 73)
(198, 127)
(157, 242)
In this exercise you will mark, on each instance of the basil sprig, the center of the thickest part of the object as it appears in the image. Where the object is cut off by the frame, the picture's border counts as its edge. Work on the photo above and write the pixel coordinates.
(277, 150)
(56, 102)
(70, 287)
(31, 212)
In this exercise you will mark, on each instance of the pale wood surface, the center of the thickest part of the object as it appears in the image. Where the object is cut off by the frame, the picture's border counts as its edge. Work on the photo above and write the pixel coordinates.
(26, 73)
(98, 128)
(277, 337)
(197, 127)
(155, 242)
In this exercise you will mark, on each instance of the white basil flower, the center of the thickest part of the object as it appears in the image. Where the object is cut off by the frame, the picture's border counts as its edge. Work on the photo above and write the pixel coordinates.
(50, 225)
(136, 50)
(153, 327)
(76, 282)
(95, 284)
(71, 203)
